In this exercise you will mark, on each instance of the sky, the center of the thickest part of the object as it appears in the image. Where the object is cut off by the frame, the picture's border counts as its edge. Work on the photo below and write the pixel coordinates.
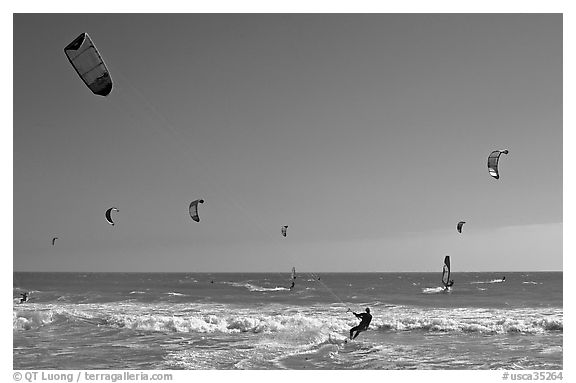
(366, 134)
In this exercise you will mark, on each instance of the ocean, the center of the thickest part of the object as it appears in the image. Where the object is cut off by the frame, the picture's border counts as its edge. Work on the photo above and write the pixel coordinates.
(252, 321)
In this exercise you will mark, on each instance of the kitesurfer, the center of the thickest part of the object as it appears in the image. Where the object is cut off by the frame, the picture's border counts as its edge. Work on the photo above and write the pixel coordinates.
(365, 319)
(24, 297)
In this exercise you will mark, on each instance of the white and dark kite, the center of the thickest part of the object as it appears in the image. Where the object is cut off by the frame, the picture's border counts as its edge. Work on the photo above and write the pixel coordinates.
(493, 160)
(193, 209)
(88, 63)
(109, 215)
(459, 226)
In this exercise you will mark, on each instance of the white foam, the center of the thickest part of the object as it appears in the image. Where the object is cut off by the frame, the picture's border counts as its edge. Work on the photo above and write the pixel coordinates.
(255, 288)
(27, 320)
(432, 290)
(523, 321)
(484, 282)
(301, 325)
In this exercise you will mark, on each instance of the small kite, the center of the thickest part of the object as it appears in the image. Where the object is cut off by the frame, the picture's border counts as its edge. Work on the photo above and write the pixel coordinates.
(193, 209)
(493, 160)
(109, 215)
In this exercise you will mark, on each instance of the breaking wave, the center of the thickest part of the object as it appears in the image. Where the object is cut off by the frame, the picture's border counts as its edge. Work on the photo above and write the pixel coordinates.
(226, 319)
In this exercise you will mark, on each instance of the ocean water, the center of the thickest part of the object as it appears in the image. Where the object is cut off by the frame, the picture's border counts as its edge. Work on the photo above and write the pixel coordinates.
(253, 321)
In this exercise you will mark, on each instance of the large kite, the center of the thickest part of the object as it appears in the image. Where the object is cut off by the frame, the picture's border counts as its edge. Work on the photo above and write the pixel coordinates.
(86, 59)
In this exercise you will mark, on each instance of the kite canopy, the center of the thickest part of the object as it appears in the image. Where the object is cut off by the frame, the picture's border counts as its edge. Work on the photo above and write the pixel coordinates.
(459, 226)
(284, 228)
(109, 215)
(193, 209)
(86, 59)
(493, 159)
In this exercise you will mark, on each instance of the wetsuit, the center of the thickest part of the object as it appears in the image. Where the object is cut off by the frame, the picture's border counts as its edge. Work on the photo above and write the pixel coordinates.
(363, 326)
(24, 298)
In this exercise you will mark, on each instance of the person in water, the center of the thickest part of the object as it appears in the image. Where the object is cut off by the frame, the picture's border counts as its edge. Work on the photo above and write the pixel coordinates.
(503, 278)
(24, 297)
(292, 285)
(448, 285)
(365, 319)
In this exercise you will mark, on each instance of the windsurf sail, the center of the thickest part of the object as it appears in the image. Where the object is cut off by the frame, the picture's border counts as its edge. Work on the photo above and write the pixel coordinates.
(284, 228)
(446, 271)
(54, 240)
(493, 159)
(88, 63)
(293, 273)
(109, 215)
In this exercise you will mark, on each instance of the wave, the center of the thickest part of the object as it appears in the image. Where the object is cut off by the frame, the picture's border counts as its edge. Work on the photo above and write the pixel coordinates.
(29, 319)
(298, 325)
(176, 294)
(490, 282)
(255, 288)
(223, 323)
(497, 325)
(433, 290)
(288, 324)
(258, 288)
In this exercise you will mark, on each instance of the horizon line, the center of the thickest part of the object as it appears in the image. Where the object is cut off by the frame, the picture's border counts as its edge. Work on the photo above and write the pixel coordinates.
(287, 272)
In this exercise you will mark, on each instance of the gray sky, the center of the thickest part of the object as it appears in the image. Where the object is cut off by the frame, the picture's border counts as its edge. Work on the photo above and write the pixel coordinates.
(367, 134)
